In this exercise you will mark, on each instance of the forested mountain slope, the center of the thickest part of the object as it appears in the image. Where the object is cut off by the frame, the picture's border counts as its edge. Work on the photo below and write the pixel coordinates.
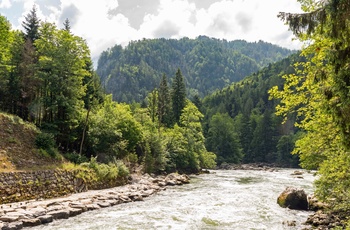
(243, 116)
(207, 64)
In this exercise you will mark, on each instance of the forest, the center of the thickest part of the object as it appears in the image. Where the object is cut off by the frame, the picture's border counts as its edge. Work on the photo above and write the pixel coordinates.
(208, 64)
(294, 111)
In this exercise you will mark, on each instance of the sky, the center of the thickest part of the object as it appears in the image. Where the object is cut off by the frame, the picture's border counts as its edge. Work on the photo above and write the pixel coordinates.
(105, 23)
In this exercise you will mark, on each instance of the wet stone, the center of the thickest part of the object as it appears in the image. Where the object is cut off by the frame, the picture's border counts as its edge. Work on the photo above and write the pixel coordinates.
(45, 219)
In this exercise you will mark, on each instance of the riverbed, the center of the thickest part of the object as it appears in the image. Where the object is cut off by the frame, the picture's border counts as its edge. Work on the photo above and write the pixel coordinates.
(223, 199)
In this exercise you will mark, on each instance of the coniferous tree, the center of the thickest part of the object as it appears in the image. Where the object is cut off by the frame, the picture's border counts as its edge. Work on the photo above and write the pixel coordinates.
(31, 24)
(197, 102)
(178, 95)
(66, 25)
(164, 102)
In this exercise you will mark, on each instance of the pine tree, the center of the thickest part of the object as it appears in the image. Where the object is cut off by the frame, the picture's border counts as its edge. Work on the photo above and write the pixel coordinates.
(178, 96)
(164, 103)
(66, 25)
(31, 25)
(197, 102)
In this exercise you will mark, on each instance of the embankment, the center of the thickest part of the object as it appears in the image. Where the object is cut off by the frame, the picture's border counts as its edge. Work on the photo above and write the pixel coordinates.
(35, 212)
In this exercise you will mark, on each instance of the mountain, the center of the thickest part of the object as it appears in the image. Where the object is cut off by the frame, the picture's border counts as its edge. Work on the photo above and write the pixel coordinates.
(207, 64)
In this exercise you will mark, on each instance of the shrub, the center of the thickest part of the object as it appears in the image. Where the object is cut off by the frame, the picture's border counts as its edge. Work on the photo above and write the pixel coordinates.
(123, 170)
(76, 158)
(107, 171)
(45, 141)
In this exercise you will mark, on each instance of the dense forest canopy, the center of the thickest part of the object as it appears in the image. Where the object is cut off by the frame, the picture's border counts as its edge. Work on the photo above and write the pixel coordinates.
(240, 124)
(208, 64)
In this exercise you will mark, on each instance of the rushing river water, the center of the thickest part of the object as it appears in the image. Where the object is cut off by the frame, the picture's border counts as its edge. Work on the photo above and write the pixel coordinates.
(220, 200)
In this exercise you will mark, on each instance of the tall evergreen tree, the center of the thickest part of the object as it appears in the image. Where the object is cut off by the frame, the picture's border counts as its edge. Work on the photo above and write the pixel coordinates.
(197, 102)
(66, 25)
(164, 102)
(31, 24)
(178, 96)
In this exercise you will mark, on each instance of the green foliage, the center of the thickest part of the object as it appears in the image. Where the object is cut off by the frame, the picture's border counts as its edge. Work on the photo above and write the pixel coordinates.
(46, 143)
(31, 24)
(207, 160)
(132, 72)
(164, 103)
(106, 172)
(223, 140)
(249, 112)
(113, 131)
(76, 158)
(319, 94)
(45, 140)
(178, 96)
(186, 144)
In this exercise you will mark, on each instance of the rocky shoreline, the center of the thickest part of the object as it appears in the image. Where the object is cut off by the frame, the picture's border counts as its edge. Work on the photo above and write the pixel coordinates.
(252, 166)
(31, 213)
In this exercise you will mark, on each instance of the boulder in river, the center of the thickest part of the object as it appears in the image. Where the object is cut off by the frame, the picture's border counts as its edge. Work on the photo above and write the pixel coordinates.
(293, 198)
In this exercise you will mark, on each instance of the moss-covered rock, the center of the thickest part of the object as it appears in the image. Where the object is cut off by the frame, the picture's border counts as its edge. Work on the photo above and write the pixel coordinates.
(293, 198)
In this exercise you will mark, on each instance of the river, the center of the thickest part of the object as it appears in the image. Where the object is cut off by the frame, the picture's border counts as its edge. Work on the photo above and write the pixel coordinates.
(223, 199)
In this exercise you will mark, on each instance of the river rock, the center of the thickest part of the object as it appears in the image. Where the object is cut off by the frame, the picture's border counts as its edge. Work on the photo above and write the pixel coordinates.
(78, 206)
(37, 211)
(92, 206)
(315, 204)
(293, 198)
(324, 220)
(45, 219)
(75, 211)
(9, 218)
(104, 204)
(31, 222)
(12, 226)
(297, 173)
(60, 214)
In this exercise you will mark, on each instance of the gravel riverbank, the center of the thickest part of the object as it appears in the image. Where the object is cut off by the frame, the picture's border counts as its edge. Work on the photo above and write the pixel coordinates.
(37, 212)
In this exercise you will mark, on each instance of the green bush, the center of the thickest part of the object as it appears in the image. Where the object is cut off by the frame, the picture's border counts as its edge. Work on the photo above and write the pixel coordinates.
(107, 171)
(122, 169)
(76, 158)
(207, 160)
(45, 141)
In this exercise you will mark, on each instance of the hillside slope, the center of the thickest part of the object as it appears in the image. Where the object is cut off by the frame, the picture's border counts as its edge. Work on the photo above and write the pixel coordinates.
(260, 133)
(17, 146)
(207, 64)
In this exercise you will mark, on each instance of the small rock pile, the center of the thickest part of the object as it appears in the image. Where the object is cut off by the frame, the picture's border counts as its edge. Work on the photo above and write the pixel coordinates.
(33, 213)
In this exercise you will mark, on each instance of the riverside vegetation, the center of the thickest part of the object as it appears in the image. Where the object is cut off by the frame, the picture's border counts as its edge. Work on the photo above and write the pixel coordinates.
(47, 79)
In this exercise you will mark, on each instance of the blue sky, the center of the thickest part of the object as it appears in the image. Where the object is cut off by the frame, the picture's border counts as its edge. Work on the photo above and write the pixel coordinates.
(104, 23)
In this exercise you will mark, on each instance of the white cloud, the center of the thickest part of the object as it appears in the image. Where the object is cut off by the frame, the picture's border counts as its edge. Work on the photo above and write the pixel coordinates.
(5, 4)
(104, 23)
(95, 24)
(173, 20)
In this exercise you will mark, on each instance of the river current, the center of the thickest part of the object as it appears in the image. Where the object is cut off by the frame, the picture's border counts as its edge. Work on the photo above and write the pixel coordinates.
(223, 199)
